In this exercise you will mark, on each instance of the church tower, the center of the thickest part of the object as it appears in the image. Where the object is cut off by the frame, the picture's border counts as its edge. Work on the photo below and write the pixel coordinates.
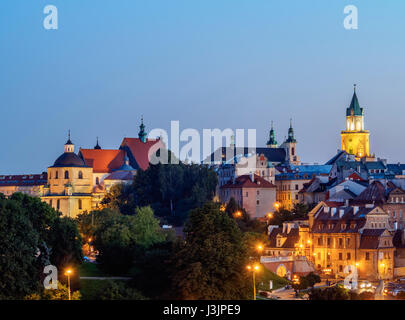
(142, 133)
(272, 143)
(290, 147)
(355, 139)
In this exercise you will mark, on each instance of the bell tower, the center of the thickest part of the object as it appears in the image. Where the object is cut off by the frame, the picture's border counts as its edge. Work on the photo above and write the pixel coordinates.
(355, 139)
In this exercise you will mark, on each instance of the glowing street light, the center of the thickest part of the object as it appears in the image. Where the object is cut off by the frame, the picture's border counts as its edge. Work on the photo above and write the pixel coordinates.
(238, 214)
(254, 269)
(68, 273)
(277, 205)
(269, 215)
(222, 208)
(259, 247)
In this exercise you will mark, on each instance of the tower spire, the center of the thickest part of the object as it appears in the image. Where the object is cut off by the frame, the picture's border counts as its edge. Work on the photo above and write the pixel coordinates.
(272, 143)
(142, 132)
(97, 146)
(291, 133)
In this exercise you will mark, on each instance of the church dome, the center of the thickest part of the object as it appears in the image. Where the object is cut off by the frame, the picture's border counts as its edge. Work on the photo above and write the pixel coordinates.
(69, 159)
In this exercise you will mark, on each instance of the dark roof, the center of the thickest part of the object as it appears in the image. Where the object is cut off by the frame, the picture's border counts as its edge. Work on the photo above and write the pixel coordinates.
(245, 181)
(340, 155)
(373, 232)
(272, 154)
(375, 192)
(292, 238)
(369, 242)
(69, 159)
(396, 169)
(397, 239)
(24, 180)
(354, 108)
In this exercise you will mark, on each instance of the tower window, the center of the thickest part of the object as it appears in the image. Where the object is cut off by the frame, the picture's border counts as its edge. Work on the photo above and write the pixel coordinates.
(293, 151)
(66, 174)
(56, 175)
(80, 175)
(97, 180)
(80, 204)
(58, 204)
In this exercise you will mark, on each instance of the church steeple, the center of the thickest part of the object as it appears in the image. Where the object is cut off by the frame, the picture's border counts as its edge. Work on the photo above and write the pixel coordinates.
(142, 133)
(272, 143)
(354, 108)
(69, 146)
(97, 146)
(291, 138)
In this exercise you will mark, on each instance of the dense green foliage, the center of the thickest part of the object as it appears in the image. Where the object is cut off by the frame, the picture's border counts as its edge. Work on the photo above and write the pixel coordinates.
(54, 294)
(119, 238)
(283, 215)
(211, 263)
(172, 190)
(329, 293)
(32, 235)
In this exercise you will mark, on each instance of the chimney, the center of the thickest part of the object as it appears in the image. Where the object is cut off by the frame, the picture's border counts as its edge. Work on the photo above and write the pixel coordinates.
(252, 177)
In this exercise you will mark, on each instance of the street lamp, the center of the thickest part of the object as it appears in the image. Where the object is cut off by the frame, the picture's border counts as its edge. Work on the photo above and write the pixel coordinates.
(277, 205)
(269, 216)
(238, 214)
(254, 269)
(259, 247)
(68, 273)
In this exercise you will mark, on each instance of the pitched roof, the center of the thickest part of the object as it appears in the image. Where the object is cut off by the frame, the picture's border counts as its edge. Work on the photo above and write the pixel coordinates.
(245, 181)
(24, 180)
(103, 160)
(354, 107)
(120, 175)
(375, 192)
(277, 155)
(292, 237)
(139, 152)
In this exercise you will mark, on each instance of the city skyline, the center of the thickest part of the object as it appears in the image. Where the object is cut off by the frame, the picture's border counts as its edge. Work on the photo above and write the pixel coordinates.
(97, 78)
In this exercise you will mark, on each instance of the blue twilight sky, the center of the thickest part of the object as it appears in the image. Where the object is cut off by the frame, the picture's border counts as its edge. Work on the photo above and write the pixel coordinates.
(206, 63)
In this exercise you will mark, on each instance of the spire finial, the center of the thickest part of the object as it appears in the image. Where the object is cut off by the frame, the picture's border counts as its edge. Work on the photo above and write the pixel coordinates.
(97, 145)
(290, 122)
(272, 124)
(69, 134)
(354, 86)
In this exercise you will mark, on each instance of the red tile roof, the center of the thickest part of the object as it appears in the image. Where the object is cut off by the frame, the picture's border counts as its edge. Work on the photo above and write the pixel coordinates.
(24, 180)
(245, 181)
(142, 151)
(103, 160)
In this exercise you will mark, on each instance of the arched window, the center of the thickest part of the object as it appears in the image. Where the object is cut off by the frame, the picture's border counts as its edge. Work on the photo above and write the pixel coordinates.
(80, 175)
(50, 202)
(80, 204)
(97, 180)
(50, 176)
(66, 174)
(56, 175)
(58, 204)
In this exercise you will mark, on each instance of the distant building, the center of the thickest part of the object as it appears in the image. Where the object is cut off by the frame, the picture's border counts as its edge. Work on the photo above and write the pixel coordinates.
(31, 184)
(255, 194)
(291, 180)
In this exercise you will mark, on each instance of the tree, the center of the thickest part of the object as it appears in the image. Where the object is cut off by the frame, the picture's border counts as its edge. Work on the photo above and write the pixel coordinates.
(330, 293)
(32, 235)
(211, 263)
(114, 290)
(19, 272)
(118, 238)
(120, 198)
(88, 222)
(54, 294)
(66, 243)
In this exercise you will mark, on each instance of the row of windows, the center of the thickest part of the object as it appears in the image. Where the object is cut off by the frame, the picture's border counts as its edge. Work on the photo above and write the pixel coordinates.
(80, 204)
(288, 187)
(66, 175)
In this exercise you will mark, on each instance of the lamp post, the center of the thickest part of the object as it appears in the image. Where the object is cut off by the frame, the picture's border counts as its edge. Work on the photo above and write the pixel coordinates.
(68, 273)
(253, 269)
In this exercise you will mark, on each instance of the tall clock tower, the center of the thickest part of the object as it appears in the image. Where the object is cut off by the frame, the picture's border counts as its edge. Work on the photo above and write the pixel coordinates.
(355, 139)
